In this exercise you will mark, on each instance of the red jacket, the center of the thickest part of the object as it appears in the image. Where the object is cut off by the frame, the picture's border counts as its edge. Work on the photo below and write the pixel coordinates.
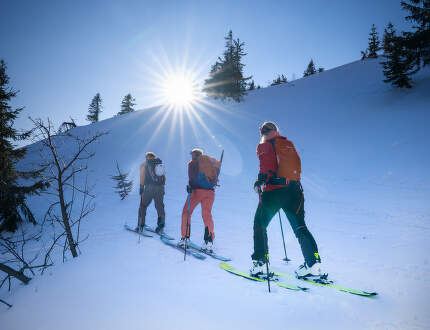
(268, 162)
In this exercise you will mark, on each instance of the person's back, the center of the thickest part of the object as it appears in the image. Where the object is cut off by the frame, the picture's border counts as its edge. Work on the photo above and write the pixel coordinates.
(153, 176)
(203, 175)
(152, 181)
(203, 172)
(278, 185)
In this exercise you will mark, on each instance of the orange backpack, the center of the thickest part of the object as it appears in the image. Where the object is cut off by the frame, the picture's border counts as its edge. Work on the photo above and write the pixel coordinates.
(289, 165)
(208, 171)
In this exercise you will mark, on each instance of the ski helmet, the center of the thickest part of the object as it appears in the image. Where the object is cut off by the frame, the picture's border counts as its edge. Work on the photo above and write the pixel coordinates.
(267, 127)
(150, 155)
(197, 152)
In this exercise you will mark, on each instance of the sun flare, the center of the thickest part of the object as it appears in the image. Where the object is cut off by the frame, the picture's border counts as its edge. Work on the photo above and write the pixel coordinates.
(179, 90)
(179, 103)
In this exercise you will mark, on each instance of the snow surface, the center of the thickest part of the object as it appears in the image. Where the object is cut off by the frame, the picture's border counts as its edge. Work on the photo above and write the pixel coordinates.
(365, 155)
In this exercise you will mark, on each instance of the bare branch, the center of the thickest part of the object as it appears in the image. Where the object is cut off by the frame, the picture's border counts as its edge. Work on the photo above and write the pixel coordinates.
(61, 172)
(4, 302)
(12, 272)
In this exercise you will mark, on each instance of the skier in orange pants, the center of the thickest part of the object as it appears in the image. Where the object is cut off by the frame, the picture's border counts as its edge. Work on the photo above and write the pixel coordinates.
(203, 175)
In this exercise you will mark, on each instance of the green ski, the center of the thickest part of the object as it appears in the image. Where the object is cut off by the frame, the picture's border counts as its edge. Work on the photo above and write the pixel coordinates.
(230, 269)
(330, 285)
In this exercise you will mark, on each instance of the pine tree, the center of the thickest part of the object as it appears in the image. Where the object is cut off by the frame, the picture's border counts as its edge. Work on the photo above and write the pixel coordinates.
(67, 126)
(310, 70)
(388, 38)
(226, 78)
(240, 82)
(13, 207)
(127, 104)
(281, 79)
(94, 109)
(418, 42)
(251, 86)
(397, 67)
(374, 43)
(123, 186)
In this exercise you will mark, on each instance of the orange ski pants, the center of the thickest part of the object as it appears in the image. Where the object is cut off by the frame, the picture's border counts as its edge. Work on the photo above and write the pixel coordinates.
(206, 198)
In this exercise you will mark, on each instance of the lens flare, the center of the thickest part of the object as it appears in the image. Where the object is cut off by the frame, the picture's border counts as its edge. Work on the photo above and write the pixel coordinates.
(179, 90)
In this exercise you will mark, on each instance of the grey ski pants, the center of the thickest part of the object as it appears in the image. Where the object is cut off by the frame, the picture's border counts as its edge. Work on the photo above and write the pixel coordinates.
(156, 193)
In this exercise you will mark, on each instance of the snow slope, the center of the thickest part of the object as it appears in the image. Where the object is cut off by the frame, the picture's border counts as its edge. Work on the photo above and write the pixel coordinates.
(365, 155)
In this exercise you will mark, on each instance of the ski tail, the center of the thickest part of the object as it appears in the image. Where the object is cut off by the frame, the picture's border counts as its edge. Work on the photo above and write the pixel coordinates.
(232, 270)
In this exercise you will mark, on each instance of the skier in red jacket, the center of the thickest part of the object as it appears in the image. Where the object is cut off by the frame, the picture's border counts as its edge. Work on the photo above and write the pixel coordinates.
(278, 186)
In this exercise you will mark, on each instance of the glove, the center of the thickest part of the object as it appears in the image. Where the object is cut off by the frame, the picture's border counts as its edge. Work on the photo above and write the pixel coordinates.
(261, 180)
(141, 189)
(257, 186)
(189, 189)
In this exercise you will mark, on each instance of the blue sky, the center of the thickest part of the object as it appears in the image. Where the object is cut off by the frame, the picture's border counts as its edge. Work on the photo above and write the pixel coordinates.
(61, 53)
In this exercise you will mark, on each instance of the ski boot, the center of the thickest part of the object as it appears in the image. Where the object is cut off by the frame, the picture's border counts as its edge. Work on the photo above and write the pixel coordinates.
(160, 227)
(138, 229)
(183, 242)
(208, 238)
(208, 246)
(258, 269)
(304, 271)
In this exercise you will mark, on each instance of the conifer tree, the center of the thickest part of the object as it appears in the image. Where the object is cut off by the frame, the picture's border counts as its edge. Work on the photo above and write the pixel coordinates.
(94, 109)
(123, 185)
(418, 42)
(13, 207)
(388, 38)
(281, 79)
(251, 86)
(310, 70)
(397, 66)
(67, 126)
(374, 43)
(226, 78)
(127, 104)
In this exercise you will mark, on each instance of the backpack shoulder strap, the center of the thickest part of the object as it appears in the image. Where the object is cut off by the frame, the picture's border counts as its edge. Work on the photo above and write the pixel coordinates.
(272, 142)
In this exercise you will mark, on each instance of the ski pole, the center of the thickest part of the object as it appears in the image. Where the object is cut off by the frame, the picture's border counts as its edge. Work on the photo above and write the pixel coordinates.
(139, 217)
(187, 231)
(267, 269)
(283, 239)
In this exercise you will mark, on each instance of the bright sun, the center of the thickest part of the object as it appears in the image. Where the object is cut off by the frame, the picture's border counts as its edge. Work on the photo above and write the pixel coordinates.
(179, 90)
